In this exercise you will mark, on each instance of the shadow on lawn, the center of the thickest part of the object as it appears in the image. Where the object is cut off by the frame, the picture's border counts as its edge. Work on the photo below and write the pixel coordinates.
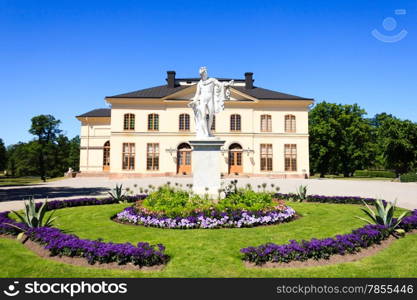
(43, 192)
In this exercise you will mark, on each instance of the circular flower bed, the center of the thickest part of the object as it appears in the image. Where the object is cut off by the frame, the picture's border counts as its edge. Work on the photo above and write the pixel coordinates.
(209, 219)
(173, 207)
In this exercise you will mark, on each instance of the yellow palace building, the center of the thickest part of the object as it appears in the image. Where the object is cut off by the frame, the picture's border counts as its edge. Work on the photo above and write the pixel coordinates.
(147, 132)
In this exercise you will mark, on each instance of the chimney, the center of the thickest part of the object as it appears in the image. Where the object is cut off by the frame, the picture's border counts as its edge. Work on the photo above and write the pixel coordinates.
(171, 79)
(248, 80)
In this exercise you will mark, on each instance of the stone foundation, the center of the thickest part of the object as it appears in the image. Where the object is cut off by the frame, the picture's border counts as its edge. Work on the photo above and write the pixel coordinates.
(173, 174)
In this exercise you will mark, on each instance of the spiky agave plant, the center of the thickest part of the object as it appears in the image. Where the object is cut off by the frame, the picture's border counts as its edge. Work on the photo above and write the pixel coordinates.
(32, 217)
(384, 215)
(302, 193)
(118, 195)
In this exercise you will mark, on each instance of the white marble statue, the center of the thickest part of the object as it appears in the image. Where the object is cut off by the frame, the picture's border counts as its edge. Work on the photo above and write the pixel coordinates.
(208, 101)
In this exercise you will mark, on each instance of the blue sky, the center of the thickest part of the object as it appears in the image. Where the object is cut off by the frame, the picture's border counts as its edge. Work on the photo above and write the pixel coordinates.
(63, 57)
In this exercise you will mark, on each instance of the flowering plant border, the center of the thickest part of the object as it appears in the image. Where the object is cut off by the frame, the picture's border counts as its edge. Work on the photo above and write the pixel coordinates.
(353, 242)
(61, 244)
(207, 219)
(58, 204)
(328, 199)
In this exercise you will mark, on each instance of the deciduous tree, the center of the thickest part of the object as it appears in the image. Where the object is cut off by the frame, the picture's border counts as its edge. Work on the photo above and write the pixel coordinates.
(46, 129)
(340, 139)
(398, 144)
(3, 158)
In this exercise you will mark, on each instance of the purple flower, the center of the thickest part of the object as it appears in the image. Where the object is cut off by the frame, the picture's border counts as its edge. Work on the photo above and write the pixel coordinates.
(59, 243)
(212, 219)
(323, 248)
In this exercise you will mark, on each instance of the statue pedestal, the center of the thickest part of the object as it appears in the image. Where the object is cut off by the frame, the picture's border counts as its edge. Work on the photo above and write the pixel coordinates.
(206, 166)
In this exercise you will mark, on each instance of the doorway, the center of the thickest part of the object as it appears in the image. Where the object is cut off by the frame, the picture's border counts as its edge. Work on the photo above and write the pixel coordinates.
(106, 156)
(184, 159)
(235, 159)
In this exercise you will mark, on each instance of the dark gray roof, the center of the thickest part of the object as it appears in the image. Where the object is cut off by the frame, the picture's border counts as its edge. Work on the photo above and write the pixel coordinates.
(99, 112)
(153, 92)
(261, 93)
(164, 90)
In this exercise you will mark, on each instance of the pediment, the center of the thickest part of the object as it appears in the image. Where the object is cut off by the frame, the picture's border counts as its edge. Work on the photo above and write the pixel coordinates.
(188, 93)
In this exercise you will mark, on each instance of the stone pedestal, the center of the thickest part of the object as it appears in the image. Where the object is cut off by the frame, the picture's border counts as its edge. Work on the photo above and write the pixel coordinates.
(206, 166)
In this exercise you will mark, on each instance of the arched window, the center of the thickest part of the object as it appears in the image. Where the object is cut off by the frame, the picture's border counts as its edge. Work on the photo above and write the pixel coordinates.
(235, 122)
(289, 123)
(266, 123)
(153, 122)
(129, 122)
(184, 122)
(213, 125)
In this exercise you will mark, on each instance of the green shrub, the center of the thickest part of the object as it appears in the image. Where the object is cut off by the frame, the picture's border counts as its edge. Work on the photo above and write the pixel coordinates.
(409, 177)
(246, 199)
(176, 202)
(376, 173)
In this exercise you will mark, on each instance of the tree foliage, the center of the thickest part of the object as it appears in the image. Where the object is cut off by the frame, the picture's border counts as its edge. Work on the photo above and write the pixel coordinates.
(50, 154)
(3, 158)
(398, 144)
(45, 128)
(22, 159)
(342, 140)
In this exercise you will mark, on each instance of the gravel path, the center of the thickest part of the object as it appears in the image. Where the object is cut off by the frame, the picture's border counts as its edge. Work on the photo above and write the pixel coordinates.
(405, 193)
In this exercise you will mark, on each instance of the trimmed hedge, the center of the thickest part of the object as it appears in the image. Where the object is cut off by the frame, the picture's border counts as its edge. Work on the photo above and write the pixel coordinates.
(324, 248)
(409, 177)
(371, 173)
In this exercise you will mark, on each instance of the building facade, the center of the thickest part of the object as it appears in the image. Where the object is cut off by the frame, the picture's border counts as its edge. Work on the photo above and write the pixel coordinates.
(147, 132)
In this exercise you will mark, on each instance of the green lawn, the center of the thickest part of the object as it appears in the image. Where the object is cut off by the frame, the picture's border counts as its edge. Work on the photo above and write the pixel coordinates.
(21, 181)
(213, 253)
